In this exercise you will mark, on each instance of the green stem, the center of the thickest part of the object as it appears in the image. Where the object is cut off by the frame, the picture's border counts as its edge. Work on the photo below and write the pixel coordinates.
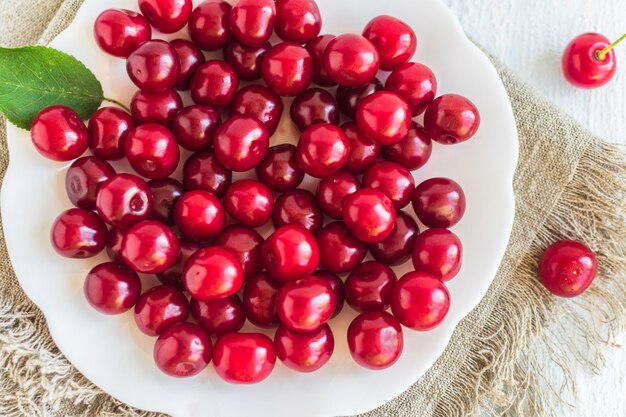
(602, 53)
(110, 100)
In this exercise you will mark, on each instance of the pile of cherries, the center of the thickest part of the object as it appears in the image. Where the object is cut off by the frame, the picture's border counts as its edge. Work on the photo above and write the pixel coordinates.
(222, 274)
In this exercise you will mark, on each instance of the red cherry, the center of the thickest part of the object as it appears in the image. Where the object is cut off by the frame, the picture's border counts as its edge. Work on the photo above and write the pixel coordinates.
(246, 244)
(252, 21)
(287, 69)
(167, 16)
(261, 103)
(119, 32)
(369, 214)
(174, 275)
(114, 245)
(108, 128)
(397, 248)
(152, 151)
(568, 268)
(249, 202)
(348, 99)
(336, 284)
(150, 247)
(195, 127)
(78, 233)
(297, 21)
(219, 317)
(203, 171)
(375, 340)
(369, 287)
(363, 152)
(83, 179)
(333, 190)
(351, 60)
(304, 352)
(316, 48)
(166, 193)
(154, 66)
(58, 134)
(439, 202)
(246, 60)
(306, 304)
(415, 83)
(111, 288)
(298, 207)
(183, 350)
(212, 273)
(191, 57)
(209, 25)
(259, 300)
(584, 63)
(384, 117)
(395, 41)
(322, 150)
(214, 84)
(420, 301)
(199, 215)
(340, 251)
(290, 253)
(155, 106)
(159, 308)
(279, 170)
(438, 252)
(244, 358)
(241, 143)
(312, 107)
(394, 180)
(412, 151)
(451, 119)
(124, 200)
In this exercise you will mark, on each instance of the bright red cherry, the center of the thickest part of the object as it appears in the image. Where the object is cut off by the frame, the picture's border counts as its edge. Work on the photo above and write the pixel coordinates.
(314, 106)
(363, 152)
(83, 179)
(297, 21)
(336, 284)
(340, 251)
(246, 244)
(191, 57)
(219, 317)
(369, 287)
(246, 60)
(213, 273)
(174, 275)
(395, 41)
(397, 248)
(78, 233)
(114, 245)
(183, 350)
(290, 253)
(412, 151)
(155, 106)
(415, 83)
(394, 180)
(124, 200)
(279, 170)
(252, 21)
(298, 207)
(199, 215)
(351, 60)
(287, 69)
(568, 268)
(159, 308)
(317, 48)
(150, 247)
(451, 119)
(152, 151)
(259, 300)
(244, 358)
(108, 128)
(209, 25)
(195, 127)
(306, 304)
(249, 202)
(154, 66)
(119, 32)
(348, 99)
(304, 352)
(439, 202)
(375, 340)
(438, 252)
(261, 103)
(384, 117)
(241, 143)
(333, 190)
(58, 134)
(167, 16)
(420, 301)
(214, 84)
(322, 150)
(203, 171)
(111, 288)
(369, 214)
(589, 60)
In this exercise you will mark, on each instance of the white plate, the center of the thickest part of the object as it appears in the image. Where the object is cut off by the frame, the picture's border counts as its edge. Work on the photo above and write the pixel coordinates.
(118, 358)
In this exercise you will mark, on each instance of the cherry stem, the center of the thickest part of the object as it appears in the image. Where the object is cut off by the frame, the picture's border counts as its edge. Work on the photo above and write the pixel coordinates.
(110, 100)
(602, 54)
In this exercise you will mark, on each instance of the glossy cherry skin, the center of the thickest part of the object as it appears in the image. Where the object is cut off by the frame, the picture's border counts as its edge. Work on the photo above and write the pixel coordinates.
(152, 151)
(111, 288)
(249, 202)
(214, 84)
(316, 48)
(246, 244)
(375, 340)
(420, 301)
(209, 25)
(369, 214)
(155, 106)
(340, 251)
(397, 248)
(219, 317)
(348, 99)
(199, 215)
(297, 21)
(244, 358)
(124, 200)
(314, 106)
(174, 275)
(213, 273)
(191, 57)
(166, 193)
(195, 127)
(568, 268)
(332, 191)
(287, 69)
(259, 300)
(159, 308)
(351, 60)
(415, 83)
(83, 179)
(279, 170)
(438, 252)
(384, 117)
(261, 103)
(394, 180)
(451, 119)
(304, 352)
(290, 253)
(581, 64)
(167, 16)
(154, 66)
(78, 233)
(246, 60)
(203, 171)
(439, 202)
(114, 245)
(336, 284)
(306, 304)
(150, 247)
(369, 287)
(58, 134)
(183, 350)
(298, 207)
(241, 143)
(108, 128)
(119, 32)
(252, 21)
(363, 152)
(322, 150)
(394, 40)
(412, 151)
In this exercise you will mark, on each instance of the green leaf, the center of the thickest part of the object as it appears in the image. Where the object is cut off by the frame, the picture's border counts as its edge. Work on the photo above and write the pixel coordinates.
(35, 77)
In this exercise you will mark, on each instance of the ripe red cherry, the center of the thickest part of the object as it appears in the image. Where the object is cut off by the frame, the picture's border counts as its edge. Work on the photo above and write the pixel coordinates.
(203, 171)
(451, 119)
(183, 350)
(394, 180)
(395, 41)
(246, 60)
(412, 151)
(159, 308)
(58, 134)
(438, 252)
(150, 247)
(348, 99)
(279, 170)
(316, 48)
(322, 150)
(241, 143)
(78, 233)
(83, 179)
(363, 152)
(108, 128)
(214, 84)
(298, 207)
(124, 200)
(209, 25)
(152, 151)
(397, 248)
(195, 127)
(297, 21)
(369, 214)
(114, 245)
(415, 83)
(351, 60)
(369, 287)
(167, 16)
(212, 273)
(191, 57)
(219, 317)
(111, 288)
(304, 352)
(568, 268)
(166, 193)
(259, 300)
(306, 304)
(199, 215)
(287, 69)
(261, 103)
(155, 106)
(375, 340)
(249, 202)
(290, 253)
(244, 358)
(439, 202)
(332, 191)
(384, 117)
(154, 66)
(119, 32)
(340, 251)
(312, 107)
(174, 275)
(336, 284)
(583, 64)
(420, 301)
(246, 244)
(252, 21)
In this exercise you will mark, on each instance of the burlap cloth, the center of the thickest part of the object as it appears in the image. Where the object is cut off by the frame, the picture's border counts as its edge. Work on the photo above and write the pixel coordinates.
(569, 184)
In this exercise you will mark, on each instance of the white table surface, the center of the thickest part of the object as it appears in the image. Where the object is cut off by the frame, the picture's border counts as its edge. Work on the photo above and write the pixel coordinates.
(529, 37)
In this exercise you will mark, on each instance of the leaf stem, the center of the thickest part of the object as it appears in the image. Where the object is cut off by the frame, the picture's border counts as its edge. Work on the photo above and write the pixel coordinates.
(602, 53)
(110, 100)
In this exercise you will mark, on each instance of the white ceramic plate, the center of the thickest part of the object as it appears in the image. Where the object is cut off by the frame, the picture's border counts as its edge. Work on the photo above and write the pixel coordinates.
(118, 358)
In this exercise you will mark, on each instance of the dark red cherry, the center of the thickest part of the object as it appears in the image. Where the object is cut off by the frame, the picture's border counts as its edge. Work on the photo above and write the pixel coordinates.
(166, 193)
(78, 233)
(244, 358)
(397, 248)
(252, 21)
(150, 247)
(249, 202)
(259, 300)
(246, 60)
(298, 207)
(287, 69)
(214, 84)
(439, 202)
(191, 57)
(199, 215)
(415, 83)
(183, 350)
(568, 268)
(174, 275)
(111, 288)
(332, 191)
(209, 24)
(297, 21)
(337, 286)
(322, 150)
(369, 287)
(304, 352)
(290, 253)
(384, 117)
(119, 32)
(246, 244)
(241, 143)
(316, 48)
(114, 245)
(363, 152)
(83, 179)
(261, 103)
(58, 134)
(108, 128)
(152, 151)
(195, 126)
(420, 301)
(412, 151)
(369, 214)
(203, 171)
(212, 273)
(167, 16)
(312, 107)
(219, 317)
(155, 106)
(583, 63)
(395, 41)
(159, 308)
(451, 119)
(279, 170)
(351, 60)
(306, 304)
(394, 180)
(154, 66)
(124, 200)
(348, 99)
(340, 251)
(375, 340)
(438, 252)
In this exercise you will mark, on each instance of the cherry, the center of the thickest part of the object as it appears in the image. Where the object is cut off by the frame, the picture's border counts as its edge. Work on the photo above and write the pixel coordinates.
(84, 177)
(412, 151)
(298, 207)
(154, 66)
(589, 60)
(369, 214)
(363, 152)
(58, 134)
(332, 191)
(195, 127)
(316, 48)
(155, 106)
(183, 350)
(439, 202)
(244, 358)
(451, 119)
(261, 103)
(219, 317)
(159, 308)
(420, 301)
(78, 233)
(174, 275)
(348, 99)
(167, 16)
(287, 69)
(567, 268)
(214, 84)
(259, 300)
(384, 117)
(111, 288)
(322, 150)
(246, 244)
(246, 60)
(150, 247)
(304, 352)
(119, 32)
(199, 215)
(394, 180)
(290, 253)
(241, 143)
(397, 248)
(203, 171)
(340, 251)
(395, 41)
(336, 284)
(152, 151)
(415, 83)
(375, 340)
(297, 21)
(108, 128)
(252, 21)
(191, 57)
(124, 200)
(306, 304)
(114, 245)
(209, 25)
(438, 252)
(166, 193)
(351, 60)
(369, 287)
(279, 170)
(249, 202)
(212, 273)
(312, 107)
